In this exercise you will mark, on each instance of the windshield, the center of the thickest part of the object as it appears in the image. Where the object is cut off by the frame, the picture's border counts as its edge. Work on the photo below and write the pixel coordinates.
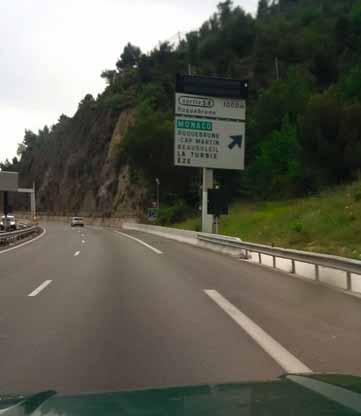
(182, 186)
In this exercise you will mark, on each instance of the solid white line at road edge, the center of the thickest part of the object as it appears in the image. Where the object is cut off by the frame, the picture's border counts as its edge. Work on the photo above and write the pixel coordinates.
(285, 359)
(40, 288)
(24, 244)
(140, 242)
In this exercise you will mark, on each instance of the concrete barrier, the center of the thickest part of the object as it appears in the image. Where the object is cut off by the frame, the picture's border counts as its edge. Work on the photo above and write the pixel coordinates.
(185, 236)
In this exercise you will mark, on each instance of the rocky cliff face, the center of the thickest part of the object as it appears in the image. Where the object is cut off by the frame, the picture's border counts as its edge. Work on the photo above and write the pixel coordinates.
(78, 168)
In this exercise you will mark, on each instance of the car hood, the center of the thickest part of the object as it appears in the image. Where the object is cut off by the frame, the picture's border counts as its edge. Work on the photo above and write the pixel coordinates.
(290, 395)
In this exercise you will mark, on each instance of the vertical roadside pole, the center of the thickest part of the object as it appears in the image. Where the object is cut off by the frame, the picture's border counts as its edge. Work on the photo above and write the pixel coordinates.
(207, 183)
(6, 209)
(6, 203)
(33, 203)
(8, 183)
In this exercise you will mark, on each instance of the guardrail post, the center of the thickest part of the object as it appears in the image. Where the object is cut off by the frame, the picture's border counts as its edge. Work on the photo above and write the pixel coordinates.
(349, 281)
(317, 272)
(315, 260)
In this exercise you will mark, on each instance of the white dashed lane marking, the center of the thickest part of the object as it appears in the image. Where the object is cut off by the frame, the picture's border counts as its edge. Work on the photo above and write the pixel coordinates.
(40, 288)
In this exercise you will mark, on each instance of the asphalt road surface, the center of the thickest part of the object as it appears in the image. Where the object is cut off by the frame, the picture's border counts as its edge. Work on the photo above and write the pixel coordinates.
(107, 312)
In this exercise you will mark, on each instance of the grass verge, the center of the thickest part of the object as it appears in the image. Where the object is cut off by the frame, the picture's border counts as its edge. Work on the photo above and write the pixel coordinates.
(328, 223)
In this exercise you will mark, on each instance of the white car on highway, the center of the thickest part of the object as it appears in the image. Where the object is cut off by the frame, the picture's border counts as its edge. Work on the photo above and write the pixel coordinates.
(8, 223)
(77, 222)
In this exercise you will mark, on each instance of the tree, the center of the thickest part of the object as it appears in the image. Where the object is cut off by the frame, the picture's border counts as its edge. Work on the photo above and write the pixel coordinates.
(350, 130)
(108, 75)
(350, 86)
(21, 149)
(30, 139)
(322, 145)
(224, 12)
(193, 47)
(262, 10)
(87, 101)
(288, 96)
(4, 166)
(277, 168)
(324, 65)
(129, 58)
(284, 5)
(356, 13)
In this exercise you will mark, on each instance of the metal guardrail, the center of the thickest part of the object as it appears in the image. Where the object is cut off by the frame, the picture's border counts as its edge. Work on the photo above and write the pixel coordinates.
(348, 266)
(12, 237)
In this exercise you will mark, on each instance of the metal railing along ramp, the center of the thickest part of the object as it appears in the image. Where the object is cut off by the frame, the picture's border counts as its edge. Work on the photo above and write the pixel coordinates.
(272, 256)
(339, 272)
(12, 237)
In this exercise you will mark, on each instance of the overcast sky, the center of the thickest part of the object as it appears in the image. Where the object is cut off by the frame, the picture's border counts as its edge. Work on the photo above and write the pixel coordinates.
(53, 51)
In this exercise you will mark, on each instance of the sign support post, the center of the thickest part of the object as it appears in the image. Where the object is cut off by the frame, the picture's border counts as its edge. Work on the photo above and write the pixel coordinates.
(33, 203)
(6, 208)
(207, 183)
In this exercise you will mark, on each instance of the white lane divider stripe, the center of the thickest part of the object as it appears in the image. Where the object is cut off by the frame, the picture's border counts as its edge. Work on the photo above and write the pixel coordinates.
(40, 288)
(140, 242)
(284, 358)
(83, 241)
(76, 253)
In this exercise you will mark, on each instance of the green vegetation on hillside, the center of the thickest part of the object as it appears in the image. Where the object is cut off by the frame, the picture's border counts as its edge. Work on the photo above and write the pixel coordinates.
(303, 61)
(327, 223)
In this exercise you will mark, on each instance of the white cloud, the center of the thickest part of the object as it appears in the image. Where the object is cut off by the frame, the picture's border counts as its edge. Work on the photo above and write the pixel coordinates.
(52, 52)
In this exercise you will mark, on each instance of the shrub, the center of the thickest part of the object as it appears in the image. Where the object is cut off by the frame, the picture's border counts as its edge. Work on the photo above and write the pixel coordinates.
(297, 227)
(171, 214)
(357, 196)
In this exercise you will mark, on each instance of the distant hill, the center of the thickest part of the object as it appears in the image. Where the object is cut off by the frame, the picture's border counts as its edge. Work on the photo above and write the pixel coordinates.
(303, 60)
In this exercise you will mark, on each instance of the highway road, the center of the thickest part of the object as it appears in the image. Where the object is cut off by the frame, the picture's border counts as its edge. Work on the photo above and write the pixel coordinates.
(85, 310)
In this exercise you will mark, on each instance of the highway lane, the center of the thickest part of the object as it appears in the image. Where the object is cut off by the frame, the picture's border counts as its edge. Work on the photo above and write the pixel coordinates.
(313, 322)
(118, 315)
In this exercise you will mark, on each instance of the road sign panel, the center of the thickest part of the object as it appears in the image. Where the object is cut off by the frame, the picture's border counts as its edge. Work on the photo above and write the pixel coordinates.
(212, 86)
(9, 181)
(189, 105)
(209, 143)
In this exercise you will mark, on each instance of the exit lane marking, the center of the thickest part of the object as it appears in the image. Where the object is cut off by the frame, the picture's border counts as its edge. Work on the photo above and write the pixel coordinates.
(284, 358)
(140, 242)
(76, 253)
(40, 288)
